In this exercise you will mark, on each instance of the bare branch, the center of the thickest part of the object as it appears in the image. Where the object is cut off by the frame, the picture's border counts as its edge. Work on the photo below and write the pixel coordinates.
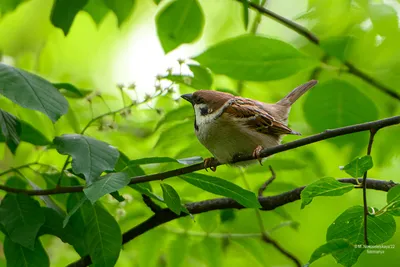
(267, 203)
(364, 186)
(267, 183)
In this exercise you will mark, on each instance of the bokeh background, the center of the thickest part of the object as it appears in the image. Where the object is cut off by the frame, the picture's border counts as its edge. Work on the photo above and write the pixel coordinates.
(102, 56)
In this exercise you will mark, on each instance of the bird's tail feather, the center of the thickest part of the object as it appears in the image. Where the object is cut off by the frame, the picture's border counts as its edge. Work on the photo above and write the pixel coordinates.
(296, 93)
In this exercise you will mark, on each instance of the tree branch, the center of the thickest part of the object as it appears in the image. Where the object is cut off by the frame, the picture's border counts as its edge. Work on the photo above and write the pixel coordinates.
(314, 39)
(267, 203)
(196, 167)
(364, 186)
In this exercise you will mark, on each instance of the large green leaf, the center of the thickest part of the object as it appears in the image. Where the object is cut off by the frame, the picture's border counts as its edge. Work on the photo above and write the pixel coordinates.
(106, 184)
(384, 18)
(19, 256)
(179, 22)
(7, 6)
(327, 186)
(74, 220)
(171, 198)
(350, 225)
(337, 46)
(255, 58)
(90, 157)
(10, 130)
(31, 91)
(337, 103)
(102, 235)
(222, 187)
(202, 77)
(357, 167)
(64, 12)
(97, 9)
(22, 218)
(393, 200)
(121, 8)
(335, 245)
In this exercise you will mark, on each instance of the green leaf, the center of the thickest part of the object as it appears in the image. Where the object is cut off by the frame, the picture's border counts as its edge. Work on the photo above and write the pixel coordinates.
(71, 90)
(208, 221)
(121, 8)
(255, 58)
(357, 167)
(327, 186)
(72, 210)
(179, 22)
(202, 77)
(123, 161)
(245, 14)
(146, 191)
(190, 160)
(106, 184)
(19, 256)
(335, 245)
(10, 130)
(7, 6)
(97, 9)
(64, 11)
(336, 103)
(102, 235)
(31, 91)
(227, 215)
(337, 46)
(90, 157)
(384, 18)
(174, 115)
(171, 198)
(393, 200)
(151, 160)
(22, 218)
(350, 225)
(222, 187)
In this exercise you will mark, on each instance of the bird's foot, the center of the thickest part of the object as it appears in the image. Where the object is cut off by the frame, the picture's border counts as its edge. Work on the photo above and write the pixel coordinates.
(208, 162)
(257, 152)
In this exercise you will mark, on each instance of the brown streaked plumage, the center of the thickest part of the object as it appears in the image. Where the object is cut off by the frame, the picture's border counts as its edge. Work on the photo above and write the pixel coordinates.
(228, 125)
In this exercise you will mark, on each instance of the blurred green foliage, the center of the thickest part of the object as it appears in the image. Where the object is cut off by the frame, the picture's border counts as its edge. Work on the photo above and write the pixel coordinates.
(81, 48)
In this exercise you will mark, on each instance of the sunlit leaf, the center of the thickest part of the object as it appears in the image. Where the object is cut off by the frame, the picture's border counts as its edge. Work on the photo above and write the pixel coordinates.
(64, 12)
(97, 10)
(171, 198)
(106, 184)
(336, 103)
(179, 22)
(177, 249)
(337, 46)
(90, 157)
(202, 77)
(22, 218)
(327, 186)
(357, 167)
(255, 58)
(222, 187)
(7, 6)
(208, 221)
(384, 18)
(245, 13)
(121, 8)
(19, 256)
(10, 130)
(350, 225)
(31, 91)
(393, 200)
(335, 245)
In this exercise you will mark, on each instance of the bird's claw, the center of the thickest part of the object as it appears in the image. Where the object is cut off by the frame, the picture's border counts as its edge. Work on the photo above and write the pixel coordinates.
(208, 164)
(257, 153)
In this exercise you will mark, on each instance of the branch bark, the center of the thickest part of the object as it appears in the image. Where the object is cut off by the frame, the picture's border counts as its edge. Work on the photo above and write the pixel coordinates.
(314, 39)
(196, 167)
(267, 203)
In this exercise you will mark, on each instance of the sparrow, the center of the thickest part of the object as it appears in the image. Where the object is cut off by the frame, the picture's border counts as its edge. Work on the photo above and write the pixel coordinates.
(230, 126)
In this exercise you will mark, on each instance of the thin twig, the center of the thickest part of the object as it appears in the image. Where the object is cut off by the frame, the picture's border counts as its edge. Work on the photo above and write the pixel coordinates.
(28, 165)
(366, 213)
(314, 39)
(151, 204)
(267, 183)
(289, 255)
(267, 203)
(196, 167)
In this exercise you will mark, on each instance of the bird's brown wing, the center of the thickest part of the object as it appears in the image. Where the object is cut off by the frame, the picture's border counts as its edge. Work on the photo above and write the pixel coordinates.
(256, 117)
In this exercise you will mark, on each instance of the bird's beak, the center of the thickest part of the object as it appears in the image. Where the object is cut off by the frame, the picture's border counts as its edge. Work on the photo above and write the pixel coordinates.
(188, 97)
